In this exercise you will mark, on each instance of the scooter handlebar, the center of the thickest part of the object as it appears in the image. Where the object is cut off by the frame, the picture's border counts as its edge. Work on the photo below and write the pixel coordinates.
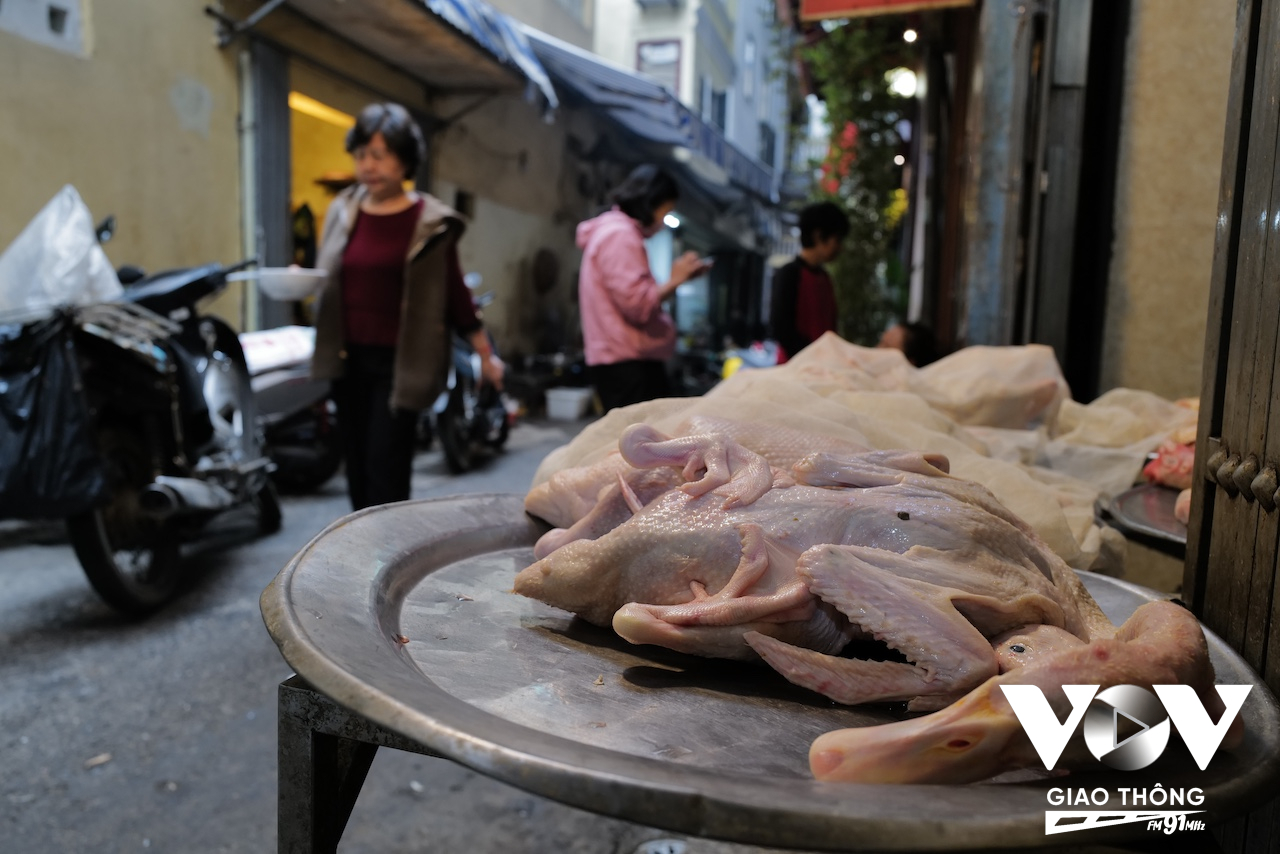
(245, 264)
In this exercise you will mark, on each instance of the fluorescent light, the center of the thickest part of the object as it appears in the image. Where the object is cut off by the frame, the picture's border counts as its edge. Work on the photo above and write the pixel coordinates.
(671, 221)
(323, 112)
(910, 36)
(898, 160)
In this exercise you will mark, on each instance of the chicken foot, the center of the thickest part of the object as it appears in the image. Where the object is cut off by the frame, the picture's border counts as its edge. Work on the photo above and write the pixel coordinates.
(709, 462)
(729, 608)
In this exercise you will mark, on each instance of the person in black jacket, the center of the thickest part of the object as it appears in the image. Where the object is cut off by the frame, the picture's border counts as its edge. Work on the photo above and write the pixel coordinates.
(804, 298)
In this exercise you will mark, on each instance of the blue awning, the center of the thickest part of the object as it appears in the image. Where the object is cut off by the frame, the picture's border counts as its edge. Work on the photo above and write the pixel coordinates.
(645, 108)
(637, 102)
(454, 46)
(498, 34)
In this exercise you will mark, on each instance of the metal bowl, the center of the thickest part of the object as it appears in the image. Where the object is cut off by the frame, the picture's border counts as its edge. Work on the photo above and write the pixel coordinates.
(404, 614)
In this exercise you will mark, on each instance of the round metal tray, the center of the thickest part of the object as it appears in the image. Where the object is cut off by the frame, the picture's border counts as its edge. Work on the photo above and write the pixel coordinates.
(404, 614)
(1147, 509)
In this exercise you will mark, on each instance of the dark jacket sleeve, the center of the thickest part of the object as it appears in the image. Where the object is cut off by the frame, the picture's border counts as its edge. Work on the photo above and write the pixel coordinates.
(460, 309)
(786, 285)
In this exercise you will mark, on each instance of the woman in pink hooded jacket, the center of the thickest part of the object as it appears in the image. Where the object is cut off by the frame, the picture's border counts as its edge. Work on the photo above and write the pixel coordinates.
(626, 333)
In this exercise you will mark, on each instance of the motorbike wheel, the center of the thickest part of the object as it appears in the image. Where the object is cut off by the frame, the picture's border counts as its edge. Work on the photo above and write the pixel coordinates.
(300, 478)
(492, 399)
(497, 441)
(503, 435)
(228, 392)
(267, 503)
(426, 432)
(132, 560)
(455, 435)
(306, 459)
(233, 410)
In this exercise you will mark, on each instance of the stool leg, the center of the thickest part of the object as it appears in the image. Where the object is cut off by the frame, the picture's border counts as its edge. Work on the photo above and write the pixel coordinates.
(319, 780)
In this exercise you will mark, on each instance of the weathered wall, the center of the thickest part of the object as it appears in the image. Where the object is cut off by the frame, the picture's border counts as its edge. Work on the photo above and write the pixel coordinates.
(153, 142)
(1175, 101)
(567, 20)
(153, 138)
(526, 198)
(765, 99)
(500, 244)
(622, 24)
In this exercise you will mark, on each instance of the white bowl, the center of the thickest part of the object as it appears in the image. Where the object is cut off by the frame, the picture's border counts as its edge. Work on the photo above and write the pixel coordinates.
(287, 284)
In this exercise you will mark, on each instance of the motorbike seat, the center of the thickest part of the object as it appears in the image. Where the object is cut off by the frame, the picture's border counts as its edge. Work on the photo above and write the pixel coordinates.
(173, 289)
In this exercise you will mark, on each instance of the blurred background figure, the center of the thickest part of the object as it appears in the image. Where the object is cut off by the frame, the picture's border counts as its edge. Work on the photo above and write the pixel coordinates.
(626, 333)
(804, 297)
(395, 286)
(915, 340)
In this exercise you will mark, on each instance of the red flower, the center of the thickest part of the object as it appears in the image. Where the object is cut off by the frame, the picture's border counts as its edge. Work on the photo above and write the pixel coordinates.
(849, 136)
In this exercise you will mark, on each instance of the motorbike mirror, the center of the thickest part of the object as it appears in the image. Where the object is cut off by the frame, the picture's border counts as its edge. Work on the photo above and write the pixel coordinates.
(473, 280)
(106, 229)
(128, 274)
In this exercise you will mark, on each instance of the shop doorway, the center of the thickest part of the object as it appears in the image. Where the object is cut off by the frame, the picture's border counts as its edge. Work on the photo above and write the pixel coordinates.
(307, 111)
(320, 168)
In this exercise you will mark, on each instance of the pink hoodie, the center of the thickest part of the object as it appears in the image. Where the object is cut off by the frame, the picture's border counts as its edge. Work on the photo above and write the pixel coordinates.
(622, 317)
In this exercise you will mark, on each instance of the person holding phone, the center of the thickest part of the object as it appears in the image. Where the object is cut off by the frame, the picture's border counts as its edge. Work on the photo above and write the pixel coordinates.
(627, 334)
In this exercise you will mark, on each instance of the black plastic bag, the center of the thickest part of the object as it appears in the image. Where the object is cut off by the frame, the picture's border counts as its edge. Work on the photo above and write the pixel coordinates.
(49, 462)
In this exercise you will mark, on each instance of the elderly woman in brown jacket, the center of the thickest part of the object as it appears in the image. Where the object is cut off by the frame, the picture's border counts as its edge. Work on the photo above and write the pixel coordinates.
(394, 291)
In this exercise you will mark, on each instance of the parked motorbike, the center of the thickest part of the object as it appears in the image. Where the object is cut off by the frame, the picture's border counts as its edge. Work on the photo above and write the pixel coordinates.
(472, 419)
(298, 417)
(135, 420)
(171, 413)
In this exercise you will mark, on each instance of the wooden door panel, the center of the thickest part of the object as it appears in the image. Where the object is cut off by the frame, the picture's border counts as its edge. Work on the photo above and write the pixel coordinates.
(1231, 602)
(1233, 536)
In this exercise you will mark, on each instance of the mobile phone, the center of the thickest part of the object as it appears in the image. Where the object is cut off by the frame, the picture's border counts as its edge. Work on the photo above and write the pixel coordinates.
(706, 261)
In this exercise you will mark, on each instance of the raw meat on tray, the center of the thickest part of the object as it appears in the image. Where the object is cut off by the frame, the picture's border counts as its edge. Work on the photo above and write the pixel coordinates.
(746, 560)
(846, 496)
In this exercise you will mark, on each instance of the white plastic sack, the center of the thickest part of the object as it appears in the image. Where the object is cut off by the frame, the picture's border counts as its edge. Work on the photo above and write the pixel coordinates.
(56, 260)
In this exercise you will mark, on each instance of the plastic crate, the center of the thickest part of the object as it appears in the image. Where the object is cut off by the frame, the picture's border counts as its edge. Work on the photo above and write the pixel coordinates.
(568, 404)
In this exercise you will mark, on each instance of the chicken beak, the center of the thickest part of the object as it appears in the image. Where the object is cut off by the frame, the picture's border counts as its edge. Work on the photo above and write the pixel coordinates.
(960, 744)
